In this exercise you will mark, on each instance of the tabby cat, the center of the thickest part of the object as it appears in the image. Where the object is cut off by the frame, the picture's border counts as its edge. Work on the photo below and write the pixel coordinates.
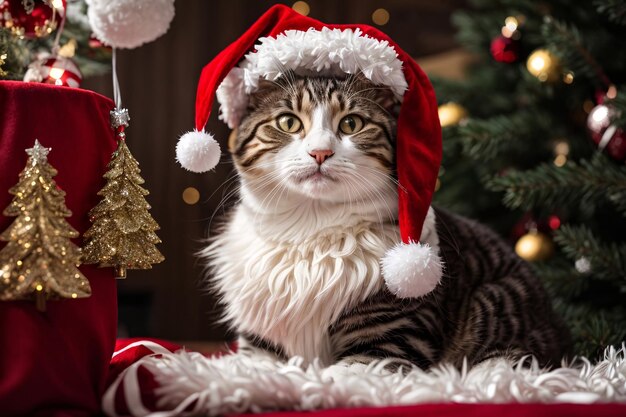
(297, 262)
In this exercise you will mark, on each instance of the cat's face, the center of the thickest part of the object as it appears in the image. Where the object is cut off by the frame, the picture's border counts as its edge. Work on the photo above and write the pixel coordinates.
(318, 138)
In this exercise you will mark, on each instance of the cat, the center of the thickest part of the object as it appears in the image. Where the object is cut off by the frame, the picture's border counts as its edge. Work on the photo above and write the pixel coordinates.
(296, 264)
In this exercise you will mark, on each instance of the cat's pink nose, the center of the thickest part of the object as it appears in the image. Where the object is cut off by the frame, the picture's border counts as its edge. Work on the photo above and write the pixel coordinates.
(321, 155)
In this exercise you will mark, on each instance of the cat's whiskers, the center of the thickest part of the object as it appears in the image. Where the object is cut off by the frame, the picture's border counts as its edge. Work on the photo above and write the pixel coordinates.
(225, 198)
(380, 197)
(272, 179)
(224, 186)
(349, 196)
(386, 180)
(387, 177)
(379, 193)
(352, 184)
(351, 80)
(287, 75)
(376, 197)
(280, 196)
(361, 96)
(261, 210)
(376, 104)
(228, 182)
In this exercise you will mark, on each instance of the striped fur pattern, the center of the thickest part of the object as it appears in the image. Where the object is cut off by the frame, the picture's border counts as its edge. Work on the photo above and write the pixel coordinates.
(258, 134)
(490, 304)
(297, 262)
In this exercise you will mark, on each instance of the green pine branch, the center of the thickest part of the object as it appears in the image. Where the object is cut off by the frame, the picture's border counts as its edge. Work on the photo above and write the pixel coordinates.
(595, 330)
(17, 55)
(547, 185)
(608, 260)
(475, 31)
(615, 10)
(619, 103)
(592, 329)
(561, 279)
(487, 139)
(566, 42)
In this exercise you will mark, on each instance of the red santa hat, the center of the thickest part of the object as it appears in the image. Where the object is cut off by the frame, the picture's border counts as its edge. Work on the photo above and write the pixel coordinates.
(282, 39)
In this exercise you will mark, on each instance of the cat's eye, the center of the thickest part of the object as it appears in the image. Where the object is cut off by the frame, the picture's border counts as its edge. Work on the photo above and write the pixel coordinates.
(289, 123)
(351, 124)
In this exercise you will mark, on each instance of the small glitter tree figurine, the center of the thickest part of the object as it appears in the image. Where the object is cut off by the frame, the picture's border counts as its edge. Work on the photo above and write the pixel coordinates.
(39, 260)
(122, 234)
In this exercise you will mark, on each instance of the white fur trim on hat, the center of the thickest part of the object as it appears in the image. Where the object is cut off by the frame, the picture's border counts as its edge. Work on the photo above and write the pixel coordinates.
(198, 151)
(326, 51)
(412, 270)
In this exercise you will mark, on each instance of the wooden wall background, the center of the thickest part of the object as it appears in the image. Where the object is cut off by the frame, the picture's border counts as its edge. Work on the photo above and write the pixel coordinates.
(158, 84)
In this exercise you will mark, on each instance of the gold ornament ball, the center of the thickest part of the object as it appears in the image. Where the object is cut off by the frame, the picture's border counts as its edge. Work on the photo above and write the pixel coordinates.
(544, 65)
(451, 114)
(534, 246)
(380, 17)
(302, 7)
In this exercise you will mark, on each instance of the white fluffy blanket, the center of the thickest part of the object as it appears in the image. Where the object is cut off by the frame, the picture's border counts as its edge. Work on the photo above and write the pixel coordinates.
(235, 383)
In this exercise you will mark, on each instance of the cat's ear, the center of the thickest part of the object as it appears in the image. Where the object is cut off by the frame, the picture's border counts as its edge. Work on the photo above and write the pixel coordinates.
(263, 92)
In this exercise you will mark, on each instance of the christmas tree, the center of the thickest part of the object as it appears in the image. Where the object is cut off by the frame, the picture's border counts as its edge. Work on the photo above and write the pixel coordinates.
(17, 51)
(122, 234)
(534, 145)
(39, 260)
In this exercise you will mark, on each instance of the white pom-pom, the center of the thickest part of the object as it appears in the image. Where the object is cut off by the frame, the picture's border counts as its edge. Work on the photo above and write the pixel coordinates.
(198, 151)
(411, 270)
(129, 23)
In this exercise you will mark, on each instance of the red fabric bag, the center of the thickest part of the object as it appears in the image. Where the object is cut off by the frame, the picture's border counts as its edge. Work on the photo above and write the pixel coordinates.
(55, 363)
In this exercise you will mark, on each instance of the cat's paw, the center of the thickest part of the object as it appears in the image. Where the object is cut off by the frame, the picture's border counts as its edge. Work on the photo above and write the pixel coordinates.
(344, 370)
(351, 367)
(247, 350)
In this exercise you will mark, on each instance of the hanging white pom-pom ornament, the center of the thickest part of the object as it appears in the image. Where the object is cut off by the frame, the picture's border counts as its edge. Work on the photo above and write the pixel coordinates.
(198, 151)
(129, 23)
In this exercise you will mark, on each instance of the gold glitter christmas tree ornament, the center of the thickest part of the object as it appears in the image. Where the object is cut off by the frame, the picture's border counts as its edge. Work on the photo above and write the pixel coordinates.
(40, 261)
(122, 235)
(3, 73)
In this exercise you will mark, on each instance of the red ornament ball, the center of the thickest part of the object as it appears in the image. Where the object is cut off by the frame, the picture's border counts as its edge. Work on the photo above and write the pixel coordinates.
(505, 49)
(605, 134)
(31, 18)
(55, 70)
(554, 222)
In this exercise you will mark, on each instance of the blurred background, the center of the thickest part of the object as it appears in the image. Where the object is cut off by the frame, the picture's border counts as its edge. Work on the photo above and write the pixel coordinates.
(158, 83)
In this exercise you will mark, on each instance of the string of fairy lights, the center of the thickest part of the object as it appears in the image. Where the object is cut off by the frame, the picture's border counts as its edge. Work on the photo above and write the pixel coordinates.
(379, 17)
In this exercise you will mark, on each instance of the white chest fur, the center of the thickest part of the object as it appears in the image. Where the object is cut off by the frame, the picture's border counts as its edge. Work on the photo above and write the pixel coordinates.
(288, 286)
(289, 291)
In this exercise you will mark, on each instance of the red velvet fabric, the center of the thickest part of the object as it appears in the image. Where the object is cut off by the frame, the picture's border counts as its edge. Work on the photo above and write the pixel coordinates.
(55, 363)
(418, 147)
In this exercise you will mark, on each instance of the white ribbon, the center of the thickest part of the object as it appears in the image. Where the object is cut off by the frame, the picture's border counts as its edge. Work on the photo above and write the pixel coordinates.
(129, 377)
(606, 137)
(117, 95)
